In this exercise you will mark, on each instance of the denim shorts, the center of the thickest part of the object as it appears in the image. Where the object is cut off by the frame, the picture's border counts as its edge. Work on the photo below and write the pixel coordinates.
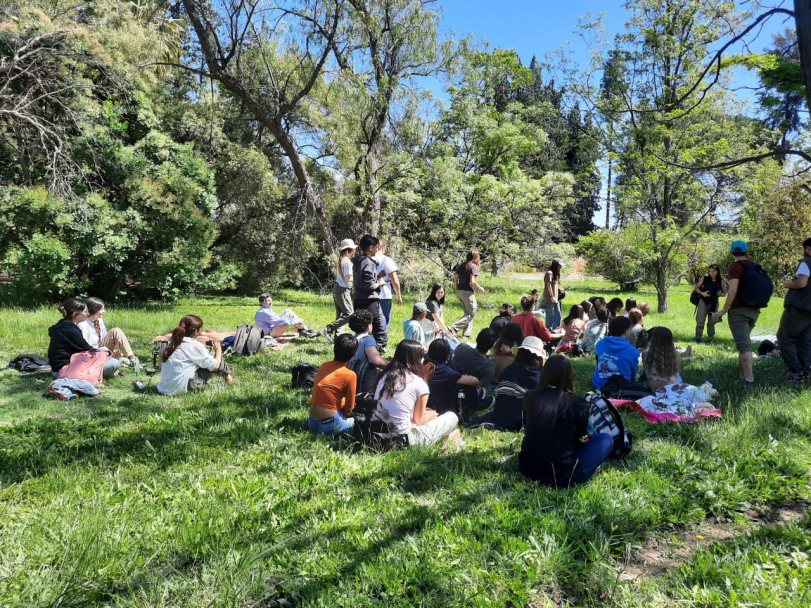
(333, 425)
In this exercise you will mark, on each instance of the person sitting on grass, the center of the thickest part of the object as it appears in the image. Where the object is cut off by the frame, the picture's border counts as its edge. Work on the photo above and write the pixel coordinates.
(555, 422)
(505, 315)
(95, 332)
(275, 324)
(473, 361)
(660, 360)
(597, 302)
(186, 364)
(615, 355)
(636, 317)
(403, 391)
(516, 380)
(505, 348)
(412, 328)
(368, 362)
(630, 304)
(596, 330)
(334, 388)
(67, 339)
(587, 307)
(573, 325)
(644, 308)
(614, 308)
(434, 322)
(532, 325)
(445, 382)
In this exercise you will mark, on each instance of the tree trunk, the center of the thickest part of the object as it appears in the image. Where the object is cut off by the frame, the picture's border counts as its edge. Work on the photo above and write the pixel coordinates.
(802, 19)
(662, 287)
(608, 198)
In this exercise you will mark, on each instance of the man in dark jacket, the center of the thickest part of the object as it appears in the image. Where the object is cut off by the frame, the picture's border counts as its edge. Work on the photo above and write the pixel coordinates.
(794, 335)
(367, 287)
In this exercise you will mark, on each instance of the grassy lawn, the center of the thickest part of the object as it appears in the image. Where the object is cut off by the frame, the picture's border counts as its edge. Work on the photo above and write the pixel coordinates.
(223, 498)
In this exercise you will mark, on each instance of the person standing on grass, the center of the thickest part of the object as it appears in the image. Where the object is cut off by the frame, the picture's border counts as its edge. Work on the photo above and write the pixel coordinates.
(276, 324)
(403, 391)
(367, 287)
(742, 318)
(794, 334)
(710, 288)
(186, 364)
(551, 294)
(342, 290)
(555, 422)
(465, 283)
(387, 270)
(333, 397)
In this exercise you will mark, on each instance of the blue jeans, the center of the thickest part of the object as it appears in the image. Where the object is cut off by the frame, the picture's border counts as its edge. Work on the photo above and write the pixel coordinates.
(552, 315)
(385, 306)
(331, 426)
(591, 456)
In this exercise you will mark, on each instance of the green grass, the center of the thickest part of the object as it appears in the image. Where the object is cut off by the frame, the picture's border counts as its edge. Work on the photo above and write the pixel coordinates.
(223, 498)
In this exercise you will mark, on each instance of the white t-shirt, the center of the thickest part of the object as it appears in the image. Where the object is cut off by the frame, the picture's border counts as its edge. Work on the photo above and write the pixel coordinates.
(401, 406)
(180, 368)
(384, 262)
(346, 266)
(802, 270)
(89, 332)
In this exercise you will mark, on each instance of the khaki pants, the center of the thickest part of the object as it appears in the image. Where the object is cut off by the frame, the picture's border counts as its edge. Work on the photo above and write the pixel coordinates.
(703, 314)
(115, 340)
(342, 298)
(433, 431)
(469, 305)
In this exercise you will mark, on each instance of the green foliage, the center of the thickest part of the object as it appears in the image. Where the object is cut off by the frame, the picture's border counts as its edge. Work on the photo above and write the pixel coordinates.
(624, 257)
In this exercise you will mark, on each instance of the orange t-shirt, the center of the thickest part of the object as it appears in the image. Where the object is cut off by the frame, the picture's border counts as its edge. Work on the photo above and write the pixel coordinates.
(334, 387)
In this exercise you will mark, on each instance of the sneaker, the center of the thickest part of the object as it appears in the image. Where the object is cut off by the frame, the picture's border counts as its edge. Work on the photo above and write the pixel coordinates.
(485, 403)
(58, 395)
(330, 336)
(308, 333)
(795, 376)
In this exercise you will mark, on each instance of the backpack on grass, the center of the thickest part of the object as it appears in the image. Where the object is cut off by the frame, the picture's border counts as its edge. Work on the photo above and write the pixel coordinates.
(619, 387)
(757, 287)
(367, 375)
(88, 365)
(247, 341)
(303, 375)
(604, 418)
(29, 363)
(374, 427)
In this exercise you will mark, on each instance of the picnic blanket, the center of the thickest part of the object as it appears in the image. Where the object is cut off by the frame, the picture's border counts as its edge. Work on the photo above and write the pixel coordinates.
(675, 403)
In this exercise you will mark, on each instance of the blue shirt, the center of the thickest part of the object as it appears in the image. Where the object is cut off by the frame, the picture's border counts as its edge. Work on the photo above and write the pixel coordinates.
(615, 355)
(266, 319)
(412, 330)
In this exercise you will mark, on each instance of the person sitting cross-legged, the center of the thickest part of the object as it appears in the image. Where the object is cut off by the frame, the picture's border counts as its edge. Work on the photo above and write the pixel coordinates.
(412, 328)
(615, 355)
(333, 397)
(276, 324)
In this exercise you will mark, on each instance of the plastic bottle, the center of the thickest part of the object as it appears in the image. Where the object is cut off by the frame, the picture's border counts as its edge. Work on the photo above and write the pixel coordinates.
(460, 398)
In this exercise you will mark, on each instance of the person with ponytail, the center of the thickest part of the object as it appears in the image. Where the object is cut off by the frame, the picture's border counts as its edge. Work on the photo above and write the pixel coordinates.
(186, 363)
(556, 422)
(95, 332)
(67, 339)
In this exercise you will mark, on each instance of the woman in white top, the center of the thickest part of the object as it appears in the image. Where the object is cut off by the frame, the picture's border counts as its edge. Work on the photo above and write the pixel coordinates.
(186, 363)
(342, 290)
(403, 391)
(97, 335)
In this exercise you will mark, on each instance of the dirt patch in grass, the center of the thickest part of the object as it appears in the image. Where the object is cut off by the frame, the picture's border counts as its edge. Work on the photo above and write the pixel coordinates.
(661, 554)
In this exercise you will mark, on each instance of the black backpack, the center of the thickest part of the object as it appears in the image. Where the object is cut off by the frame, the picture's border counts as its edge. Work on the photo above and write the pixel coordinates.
(619, 387)
(29, 363)
(303, 375)
(247, 341)
(374, 427)
(604, 418)
(367, 375)
(757, 287)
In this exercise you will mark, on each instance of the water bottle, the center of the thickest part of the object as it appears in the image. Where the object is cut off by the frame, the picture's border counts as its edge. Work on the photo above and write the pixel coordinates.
(460, 398)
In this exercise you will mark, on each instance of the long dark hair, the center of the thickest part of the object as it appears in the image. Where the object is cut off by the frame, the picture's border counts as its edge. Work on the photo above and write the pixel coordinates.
(613, 306)
(550, 397)
(555, 268)
(93, 305)
(473, 259)
(527, 302)
(432, 297)
(187, 326)
(72, 307)
(718, 280)
(439, 351)
(575, 312)
(407, 358)
(661, 355)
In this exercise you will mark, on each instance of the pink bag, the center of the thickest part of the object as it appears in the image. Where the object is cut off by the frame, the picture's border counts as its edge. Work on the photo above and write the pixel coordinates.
(88, 365)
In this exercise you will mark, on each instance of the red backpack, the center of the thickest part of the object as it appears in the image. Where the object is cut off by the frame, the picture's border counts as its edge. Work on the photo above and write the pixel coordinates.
(88, 365)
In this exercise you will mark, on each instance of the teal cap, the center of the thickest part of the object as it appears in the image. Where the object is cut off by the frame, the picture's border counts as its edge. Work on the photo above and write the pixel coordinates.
(739, 247)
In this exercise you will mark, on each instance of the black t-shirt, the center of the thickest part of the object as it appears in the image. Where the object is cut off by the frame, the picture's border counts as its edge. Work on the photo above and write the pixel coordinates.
(66, 340)
(714, 288)
(432, 306)
(498, 323)
(465, 273)
(548, 451)
(514, 381)
(444, 392)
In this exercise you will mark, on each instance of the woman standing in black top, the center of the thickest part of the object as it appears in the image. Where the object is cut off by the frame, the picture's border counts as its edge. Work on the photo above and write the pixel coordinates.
(710, 287)
(555, 424)
(465, 284)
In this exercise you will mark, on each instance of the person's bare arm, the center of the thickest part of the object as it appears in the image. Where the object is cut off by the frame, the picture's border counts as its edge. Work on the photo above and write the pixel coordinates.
(395, 285)
(474, 283)
(468, 381)
(374, 357)
(455, 281)
(421, 413)
(733, 291)
(799, 282)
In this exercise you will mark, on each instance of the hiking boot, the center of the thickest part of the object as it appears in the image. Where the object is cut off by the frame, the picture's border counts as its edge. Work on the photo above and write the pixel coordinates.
(795, 376)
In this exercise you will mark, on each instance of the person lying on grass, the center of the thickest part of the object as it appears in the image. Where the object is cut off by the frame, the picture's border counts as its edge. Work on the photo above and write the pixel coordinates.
(615, 355)
(403, 391)
(67, 339)
(555, 424)
(333, 397)
(186, 363)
